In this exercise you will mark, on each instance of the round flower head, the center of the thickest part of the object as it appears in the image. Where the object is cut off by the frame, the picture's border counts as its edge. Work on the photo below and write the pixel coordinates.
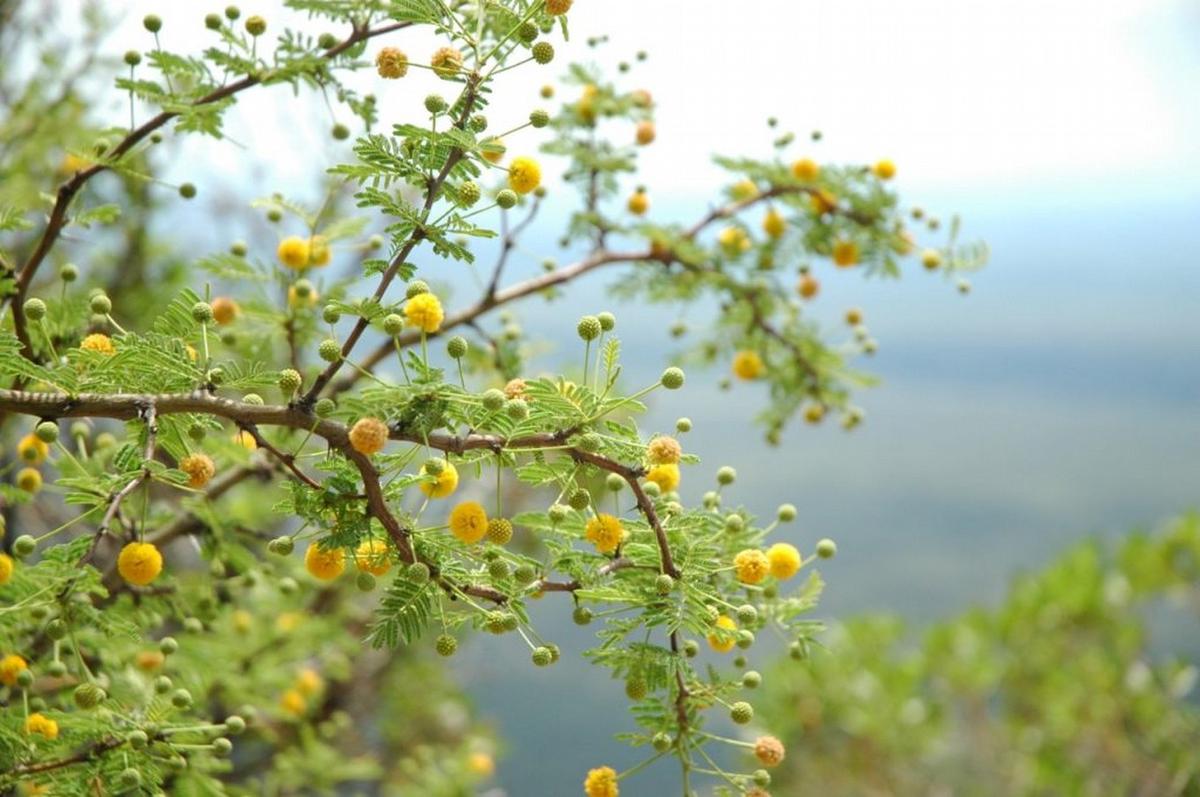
(605, 532)
(99, 343)
(293, 252)
(495, 151)
(391, 63)
(302, 296)
(665, 476)
(638, 203)
(524, 175)
(884, 169)
(368, 435)
(468, 522)
(769, 751)
(808, 287)
(748, 365)
(29, 479)
(424, 311)
(515, 389)
(723, 643)
(785, 560)
(245, 440)
(931, 259)
(823, 202)
(446, 62)
(6, 568)
(481, 764)
(646, 132)
(373, 556)
(445, 484)
(10, 667)
(751, 566)
(556, 8)
(292, 702)
(663, 450)
(743, 190)
(309, 682)
(602, 781)
(41, 725)
(319, 252)
(139, 563)
(774, 223)
(845, 253)
(499, 530)
(733, 241)
(224, 310)
(805, 169)
(32, 449)
(199, 468)
(325, 564)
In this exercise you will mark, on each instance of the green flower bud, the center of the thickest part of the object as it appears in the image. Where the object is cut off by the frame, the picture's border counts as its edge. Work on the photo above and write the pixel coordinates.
(138, 739)
(152, 23)
(541, 657)
(393, 324)
(364, 581)
(47, 431)
(579, 499)
(734, 523)
(493, 399)
(664, 584)
(726, 475)
(129, 778)
(256, 25)
(253, 399)
(24, 545)
(517, 409)
(608, 321)
(582, 615)
(56, 669)
(826, 548)
(212, 21)
(88, 696)
(539, 118)
(652, 489)
(193, 625)
(289, 381)
(324, 407)
(102, 305)
(478, 123)
(35, 309)
(614, 483)
(543, 52)
(786, 513)
(527, 32)
(331, 314)
(446, 645)
(683, 425)
(133, 57)
(187, 190)
(435, 103)
(498, 569)
(330, 350)
(25, 679)
(506, 198)
(457, 347)
(635, 688)
(588, 327)
(181, 698)
(234, 725)
(327, 41)
(274, 215)
(752, 679)
(525, 574)
(741, 712)
(222, 747)
(288, 586)
(416, 288)
(747, 614)
(661, 742)
(672, 378)
(691, 648)
(418, 573)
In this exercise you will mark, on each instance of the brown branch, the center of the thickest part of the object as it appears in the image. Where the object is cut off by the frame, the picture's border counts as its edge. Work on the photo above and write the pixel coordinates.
(84, 755)
(285, 459)
(432, 190)
(68, 190)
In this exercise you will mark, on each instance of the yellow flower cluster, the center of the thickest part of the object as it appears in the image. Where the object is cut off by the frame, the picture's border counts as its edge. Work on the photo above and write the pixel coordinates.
(325, 564)
(605, 532)
(139, 563)
(468, 522)
(424, 312)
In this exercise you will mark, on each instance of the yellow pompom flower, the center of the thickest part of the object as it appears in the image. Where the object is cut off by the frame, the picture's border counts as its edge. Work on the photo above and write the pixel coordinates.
(29, 479)
(199, 468)
(32, 449)
(808, 286)
(769, 751)
(805, 169)
(884, 169)
(646, 132)
(10, 667)
(6, 568)
(139, 563)
(493, 155)
(309, 682)
(446, 62)
(663, 450)
(149, 660)
(638, 203)
(324, 563)
(99, 343)
(748, 365)
(424, 311)
(785, 560)
(225, 310)
(751, 566)
(774, 223)
(41, 725)
(723, 643)
(245, 440)
(391, 63)
(605, 532)
(481, 764)
(665, 476)
(292, 702)
(733, 240)
(446, 482)
(468, 522)
(743, 190)
(931, 259)
(319, 251)
(373, 556)
(368, 435)
(823, 201)
(601, 782)
(524, 175)
(293, 252)
(243, 621)
(845, 253)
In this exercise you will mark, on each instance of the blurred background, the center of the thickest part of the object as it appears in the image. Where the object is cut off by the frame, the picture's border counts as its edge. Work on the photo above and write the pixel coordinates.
(1057, 400)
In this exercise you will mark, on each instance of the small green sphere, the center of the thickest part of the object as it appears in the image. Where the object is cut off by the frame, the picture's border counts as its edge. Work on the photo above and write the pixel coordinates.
(340, 132)
(542, 657)
(446, 645)
(187, 190)
(726, 475)
(493, 399)
(457, 347)
(330, 350)
(24, 545)
(152, 23)
(35, 309)
(580, 499)
(826, 548)
(543, 52)
(324, 407)
(506, 198)
(582, 615)
(256, 25)
(589, 327)
(683, 425)
(133, 57)
(364, 581)
(672, 378)
(741, 712)
(539, 118)
(47, 431)
(664, 584)
(786, 513)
